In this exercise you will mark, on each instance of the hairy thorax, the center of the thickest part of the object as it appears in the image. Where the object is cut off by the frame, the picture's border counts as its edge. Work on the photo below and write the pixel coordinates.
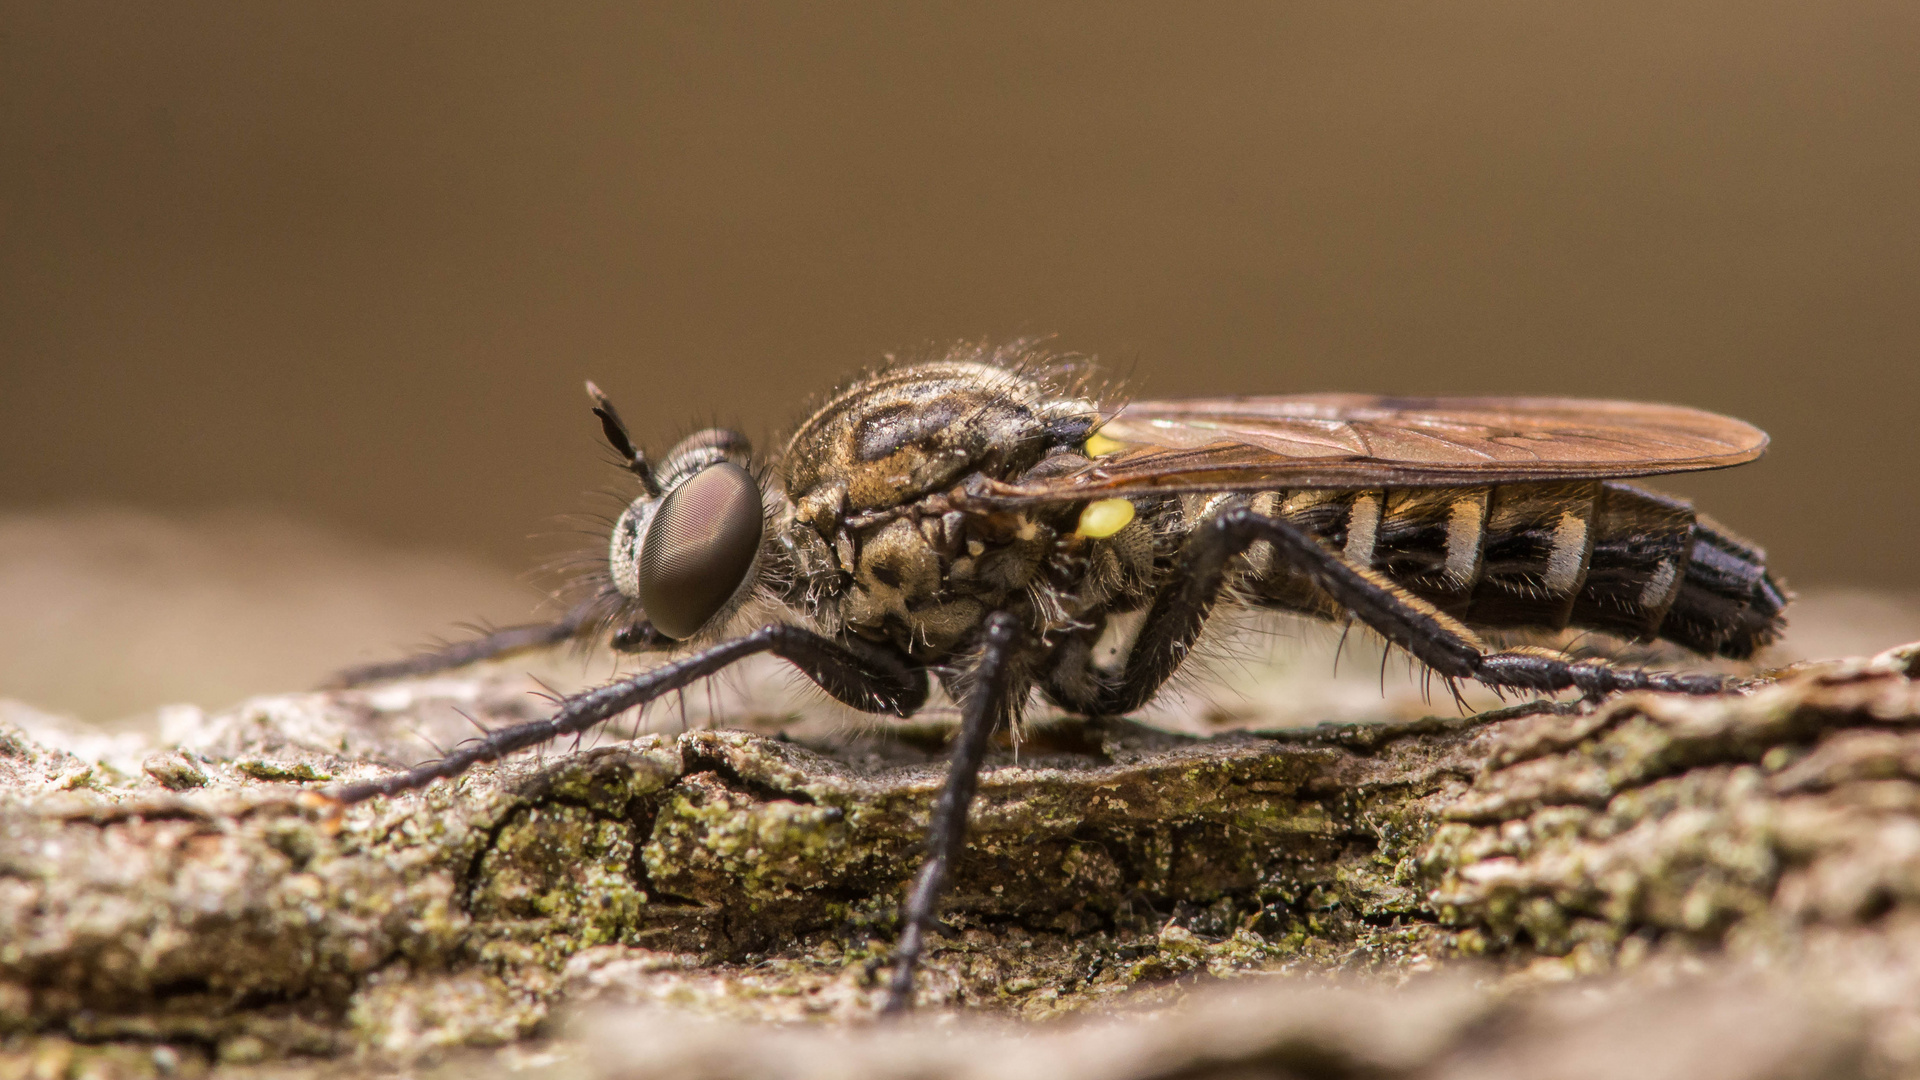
(882, 553)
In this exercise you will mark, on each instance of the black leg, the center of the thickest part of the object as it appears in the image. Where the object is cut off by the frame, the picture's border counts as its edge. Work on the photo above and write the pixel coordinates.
(863, 677)
(989, 704)
(1173, 623)
(502, 642)
(1436, 639)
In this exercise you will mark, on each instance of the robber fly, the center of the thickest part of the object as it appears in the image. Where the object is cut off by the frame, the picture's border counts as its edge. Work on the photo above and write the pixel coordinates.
(978, 520)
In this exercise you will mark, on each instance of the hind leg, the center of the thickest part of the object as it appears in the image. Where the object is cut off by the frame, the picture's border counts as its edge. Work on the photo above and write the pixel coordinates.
(1441, 642)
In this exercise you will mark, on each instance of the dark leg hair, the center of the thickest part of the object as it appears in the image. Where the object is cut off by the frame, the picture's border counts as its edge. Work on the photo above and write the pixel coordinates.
(1436, 639)
(503, 642)
(990, 702)
(863, 677)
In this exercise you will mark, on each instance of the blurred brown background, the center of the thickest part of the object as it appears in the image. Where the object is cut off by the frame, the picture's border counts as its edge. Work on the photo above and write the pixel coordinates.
(349, 262)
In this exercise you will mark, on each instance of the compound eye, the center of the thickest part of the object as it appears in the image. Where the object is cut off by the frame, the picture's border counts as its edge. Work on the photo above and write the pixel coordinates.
(699, 547)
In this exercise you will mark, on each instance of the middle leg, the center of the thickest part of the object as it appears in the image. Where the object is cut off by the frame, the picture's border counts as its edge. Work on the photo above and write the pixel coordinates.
(990, 702)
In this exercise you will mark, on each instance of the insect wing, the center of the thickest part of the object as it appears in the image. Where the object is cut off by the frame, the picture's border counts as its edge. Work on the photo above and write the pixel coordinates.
(1354, 440)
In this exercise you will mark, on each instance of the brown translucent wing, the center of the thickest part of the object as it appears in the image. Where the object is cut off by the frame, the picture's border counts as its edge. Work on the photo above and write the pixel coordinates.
(1356, 440)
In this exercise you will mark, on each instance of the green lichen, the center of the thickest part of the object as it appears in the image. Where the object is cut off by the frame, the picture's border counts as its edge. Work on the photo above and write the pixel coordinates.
(559, 877)
(273, 771)
(774, 850)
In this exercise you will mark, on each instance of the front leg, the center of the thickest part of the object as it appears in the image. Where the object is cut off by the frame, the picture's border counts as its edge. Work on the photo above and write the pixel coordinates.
(862, 676)
(1435, 638)
(503, 642)
(990, 702)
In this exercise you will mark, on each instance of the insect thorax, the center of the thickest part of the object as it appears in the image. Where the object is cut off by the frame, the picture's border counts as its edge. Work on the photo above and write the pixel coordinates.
(879, 550)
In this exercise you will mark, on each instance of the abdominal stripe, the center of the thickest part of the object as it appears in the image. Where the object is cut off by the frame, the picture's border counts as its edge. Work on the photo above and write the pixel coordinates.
(1604, 556)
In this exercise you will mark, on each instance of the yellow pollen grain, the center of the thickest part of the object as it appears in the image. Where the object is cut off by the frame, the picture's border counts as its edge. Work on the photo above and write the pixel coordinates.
(1104, 518)
(1099, 445)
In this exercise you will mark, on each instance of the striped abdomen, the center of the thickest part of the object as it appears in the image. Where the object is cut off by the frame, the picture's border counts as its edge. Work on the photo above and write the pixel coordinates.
(1600, 556)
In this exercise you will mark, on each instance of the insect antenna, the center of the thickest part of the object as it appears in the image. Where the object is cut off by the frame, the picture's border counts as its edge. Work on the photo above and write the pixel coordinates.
(616, 432)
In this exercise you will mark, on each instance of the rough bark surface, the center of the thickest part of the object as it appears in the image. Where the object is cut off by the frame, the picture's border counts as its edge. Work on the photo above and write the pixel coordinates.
(1702, 867)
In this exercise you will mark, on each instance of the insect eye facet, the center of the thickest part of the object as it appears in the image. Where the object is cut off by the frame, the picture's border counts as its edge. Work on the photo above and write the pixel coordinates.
(699, 547)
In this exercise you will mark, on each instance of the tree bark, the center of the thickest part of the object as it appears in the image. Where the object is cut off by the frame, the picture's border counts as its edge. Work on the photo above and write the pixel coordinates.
(198, 906)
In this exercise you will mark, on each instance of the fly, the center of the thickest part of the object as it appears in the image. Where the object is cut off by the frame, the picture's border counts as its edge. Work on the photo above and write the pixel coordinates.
(978, 521)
